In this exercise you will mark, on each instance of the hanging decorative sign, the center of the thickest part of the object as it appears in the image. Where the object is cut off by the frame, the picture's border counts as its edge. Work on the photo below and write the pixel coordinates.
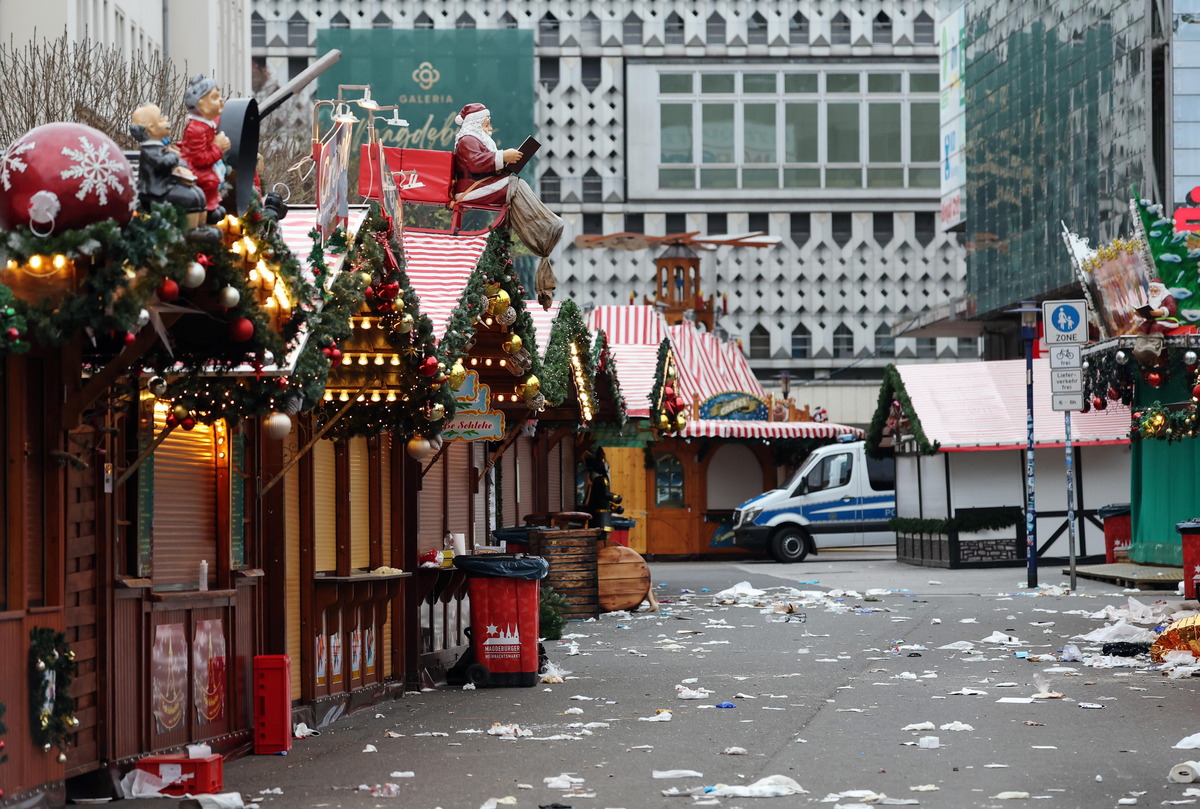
(474, 420)
(471, 397)
(734, 405)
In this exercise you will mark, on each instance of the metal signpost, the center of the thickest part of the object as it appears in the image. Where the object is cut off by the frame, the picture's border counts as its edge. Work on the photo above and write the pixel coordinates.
(1066, 331)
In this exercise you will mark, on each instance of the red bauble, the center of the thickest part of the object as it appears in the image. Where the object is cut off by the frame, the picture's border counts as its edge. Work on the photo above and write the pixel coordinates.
(168, 290)
(130, 337)
(1099, 403)
(1196, 392)
(13, 334)
(388, 292)
(188, 424)
(428, 366)
(1114, 394)
(1154, 378)
(241, 329)
(281, 382)
(668, 391)
(63, 176)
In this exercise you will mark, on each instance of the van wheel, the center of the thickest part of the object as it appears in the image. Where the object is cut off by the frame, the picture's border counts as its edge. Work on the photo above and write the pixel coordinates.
(790, 544)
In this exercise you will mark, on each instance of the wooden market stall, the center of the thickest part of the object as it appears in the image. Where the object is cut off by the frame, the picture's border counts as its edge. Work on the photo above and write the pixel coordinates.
(959, 436)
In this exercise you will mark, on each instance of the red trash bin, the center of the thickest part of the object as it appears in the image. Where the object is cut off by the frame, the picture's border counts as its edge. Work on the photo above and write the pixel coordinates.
(1189, 532)
(505, 593)
(1118, 536)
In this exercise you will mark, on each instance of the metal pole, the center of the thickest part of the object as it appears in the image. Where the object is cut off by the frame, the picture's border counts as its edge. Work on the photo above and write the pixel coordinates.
(1030, 510)
(1070, 495)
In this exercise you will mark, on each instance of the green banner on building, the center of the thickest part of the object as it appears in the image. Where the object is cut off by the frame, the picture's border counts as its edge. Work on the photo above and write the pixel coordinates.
(431, 75)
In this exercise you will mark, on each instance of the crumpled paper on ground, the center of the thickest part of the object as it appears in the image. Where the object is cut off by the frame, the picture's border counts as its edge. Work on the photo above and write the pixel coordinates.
(773, 786)
(1120, 631)
(222, 800)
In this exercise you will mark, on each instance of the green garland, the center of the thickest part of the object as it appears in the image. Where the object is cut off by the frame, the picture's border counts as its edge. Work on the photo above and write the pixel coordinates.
(664, 365)
(13, 327)
(551, 620)
(51, 666)
(603, 361)
(1108, 379)
(1161, 423)
(569, 328)
(892, 391)
(1176, 256)
(992, 520)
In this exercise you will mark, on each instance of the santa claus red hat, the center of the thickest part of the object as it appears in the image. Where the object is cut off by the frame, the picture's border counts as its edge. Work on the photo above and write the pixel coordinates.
(472, 112)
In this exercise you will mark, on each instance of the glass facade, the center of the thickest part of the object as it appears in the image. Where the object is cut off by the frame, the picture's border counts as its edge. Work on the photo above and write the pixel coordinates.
(1057, 116)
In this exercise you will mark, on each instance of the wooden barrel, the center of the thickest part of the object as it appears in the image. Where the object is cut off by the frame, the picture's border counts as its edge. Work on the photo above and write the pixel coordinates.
(573, 571)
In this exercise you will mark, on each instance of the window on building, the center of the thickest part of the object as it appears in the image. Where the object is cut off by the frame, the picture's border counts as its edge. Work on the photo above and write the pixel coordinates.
(756, 29)
(839, 29)
(297, 31)
(381, 20)
(635, 223)
(508, 21)
(548, 31)
(926, 347)
(885, 344)
(760, 343)
(548, 71)
(968, 347)
(673, 29)
(465, 21)
(881, 29)
(715, 29)
(631, 29)
(339, 20)
(589, 70)
(593, 186)
(801, 228)
(884, 227)
(668, 482)
(801, 343)
(676, 223)
(843, 228)
(423, 22)
(718, 223)
(925, 227)
(589, 31)
(760, 221)
(551, 187)
(296, 65)
(593, 223)
(798, 29)
(843, 342)
(923, 29)
(258, 31)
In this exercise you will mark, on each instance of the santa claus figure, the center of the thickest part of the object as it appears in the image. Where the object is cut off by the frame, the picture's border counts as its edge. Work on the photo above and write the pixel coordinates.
(480, 176)
(202, 146)
(1158, 316)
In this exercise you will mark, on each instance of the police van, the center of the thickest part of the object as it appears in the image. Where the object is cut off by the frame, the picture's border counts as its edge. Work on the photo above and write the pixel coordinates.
(838, 497)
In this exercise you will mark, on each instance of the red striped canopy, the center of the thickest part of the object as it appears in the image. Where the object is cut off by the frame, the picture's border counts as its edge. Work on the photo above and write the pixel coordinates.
(438, 266)
(714, 365)
(634, 334)
(543, 322)
(765, 430)
(298, 224)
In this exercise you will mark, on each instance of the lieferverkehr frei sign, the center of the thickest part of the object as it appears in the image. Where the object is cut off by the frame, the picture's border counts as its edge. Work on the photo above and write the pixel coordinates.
(431, 75)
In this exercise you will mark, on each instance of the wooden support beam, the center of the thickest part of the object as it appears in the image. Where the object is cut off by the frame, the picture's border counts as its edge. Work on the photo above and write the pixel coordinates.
(146, 453)
(508, 439)
(312, 441)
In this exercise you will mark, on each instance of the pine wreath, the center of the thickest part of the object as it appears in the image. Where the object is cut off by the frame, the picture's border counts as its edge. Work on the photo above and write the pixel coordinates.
(51, 706)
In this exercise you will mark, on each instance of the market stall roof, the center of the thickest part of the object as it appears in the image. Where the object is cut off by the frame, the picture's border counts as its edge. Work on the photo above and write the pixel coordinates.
(766, 430)
(543, 322)
(633, 334)
(714, 365)
(296, 227)
(438, 265)
(981, 406)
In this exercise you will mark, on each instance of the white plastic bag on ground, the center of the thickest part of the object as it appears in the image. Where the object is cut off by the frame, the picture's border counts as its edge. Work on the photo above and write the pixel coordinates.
(676, 774)
(1120, 631)
(773, 786)
(223, 800)
(142, 784)
(740, 590)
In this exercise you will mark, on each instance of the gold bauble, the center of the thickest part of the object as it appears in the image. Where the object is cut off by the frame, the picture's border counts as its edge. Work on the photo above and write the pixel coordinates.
(513, 344)
(491, 290)
(180, 411)
(404, 325)
(436, 411)
(664, 421)
(530, 387)
(62, 758)
(501, 303)
(680, 421)
(457, 375)
(419, 447)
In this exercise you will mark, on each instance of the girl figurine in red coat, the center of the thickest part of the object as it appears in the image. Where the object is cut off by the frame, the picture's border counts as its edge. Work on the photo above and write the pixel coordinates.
(203, 147)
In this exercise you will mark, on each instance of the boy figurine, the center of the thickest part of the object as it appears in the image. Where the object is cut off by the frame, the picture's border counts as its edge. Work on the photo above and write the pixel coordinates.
(203, 147)
(162, 174)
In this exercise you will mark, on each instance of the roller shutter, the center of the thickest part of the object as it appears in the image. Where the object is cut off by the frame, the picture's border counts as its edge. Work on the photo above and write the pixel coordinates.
(458, 514)
(358, 502)
(430, 533)
(324, 507)
(185, 505)
(554, 479)
(291, 533)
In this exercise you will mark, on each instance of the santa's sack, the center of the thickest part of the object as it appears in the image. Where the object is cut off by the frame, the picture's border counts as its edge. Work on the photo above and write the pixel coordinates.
(539, 228)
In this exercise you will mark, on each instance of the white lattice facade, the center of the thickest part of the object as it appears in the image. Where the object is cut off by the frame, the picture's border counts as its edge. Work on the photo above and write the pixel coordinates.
(725, 117)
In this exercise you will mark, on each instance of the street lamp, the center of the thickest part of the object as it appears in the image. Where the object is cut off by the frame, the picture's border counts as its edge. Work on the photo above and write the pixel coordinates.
(785, 382)
(1029, 318)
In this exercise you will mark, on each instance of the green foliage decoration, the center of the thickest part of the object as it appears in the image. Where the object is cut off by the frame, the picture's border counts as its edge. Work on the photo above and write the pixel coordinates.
(968, 523)
(602, 359)
(551, 615)
(51, 706)
(13, 327)
(557, 377)
(893, 393)
(1162, 423)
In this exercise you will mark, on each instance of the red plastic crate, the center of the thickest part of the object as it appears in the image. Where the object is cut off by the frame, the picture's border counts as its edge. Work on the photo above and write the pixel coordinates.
(196, 776)
(272, 704)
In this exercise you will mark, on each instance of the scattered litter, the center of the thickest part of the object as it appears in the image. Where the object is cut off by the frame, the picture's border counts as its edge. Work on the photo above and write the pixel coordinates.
(734, 751)
(573, 711)
(470, 686)
(430, 733)
(929, 742)
(391, 734)
(676, 774)
(684, 692)
(1001, 638)
(726, 705)
(773, 786)
(385, 790)
(959, 646)
(661, 716)
(564, 780)
(302, 731)
(370, 748)
(1044, 691)
(553, 673)
(512, 731)
(1033, 724)
(1019, 700)
(969, 692)
(492, 803)
(1188, 742)
(956, 725)
(919, 726)
(403, 774)
(1090, 705)
(1011, 796)
(925, 788)
(996, 766)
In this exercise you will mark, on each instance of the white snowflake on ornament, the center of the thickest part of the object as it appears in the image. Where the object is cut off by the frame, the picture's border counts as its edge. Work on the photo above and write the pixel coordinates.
(11, 161)
(96, 169)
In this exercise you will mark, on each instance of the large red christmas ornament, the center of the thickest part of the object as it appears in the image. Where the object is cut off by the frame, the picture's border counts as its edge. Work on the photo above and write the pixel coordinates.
(428, 366)
(168, 290)
(1099, 403)
(1196, 392)
(241, 329)
(1154, 378)
(63, 176)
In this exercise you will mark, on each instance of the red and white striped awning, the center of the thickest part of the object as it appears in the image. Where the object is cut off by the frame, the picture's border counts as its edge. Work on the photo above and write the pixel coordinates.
(438, 266)
(298, 224)
(629, 325)
(543, 322)
(981, 405)
(634, 334)
(766, 430)
(713, 365)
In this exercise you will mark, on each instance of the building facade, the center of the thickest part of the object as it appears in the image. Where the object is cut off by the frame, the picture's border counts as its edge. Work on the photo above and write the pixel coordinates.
(816, 123)
(209, 37)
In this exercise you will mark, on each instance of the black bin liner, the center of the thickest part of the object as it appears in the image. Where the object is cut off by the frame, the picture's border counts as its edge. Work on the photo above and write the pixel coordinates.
(1113, 510)
(1189, 527)
(623, 523)
(517, 533)
(503, 566)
